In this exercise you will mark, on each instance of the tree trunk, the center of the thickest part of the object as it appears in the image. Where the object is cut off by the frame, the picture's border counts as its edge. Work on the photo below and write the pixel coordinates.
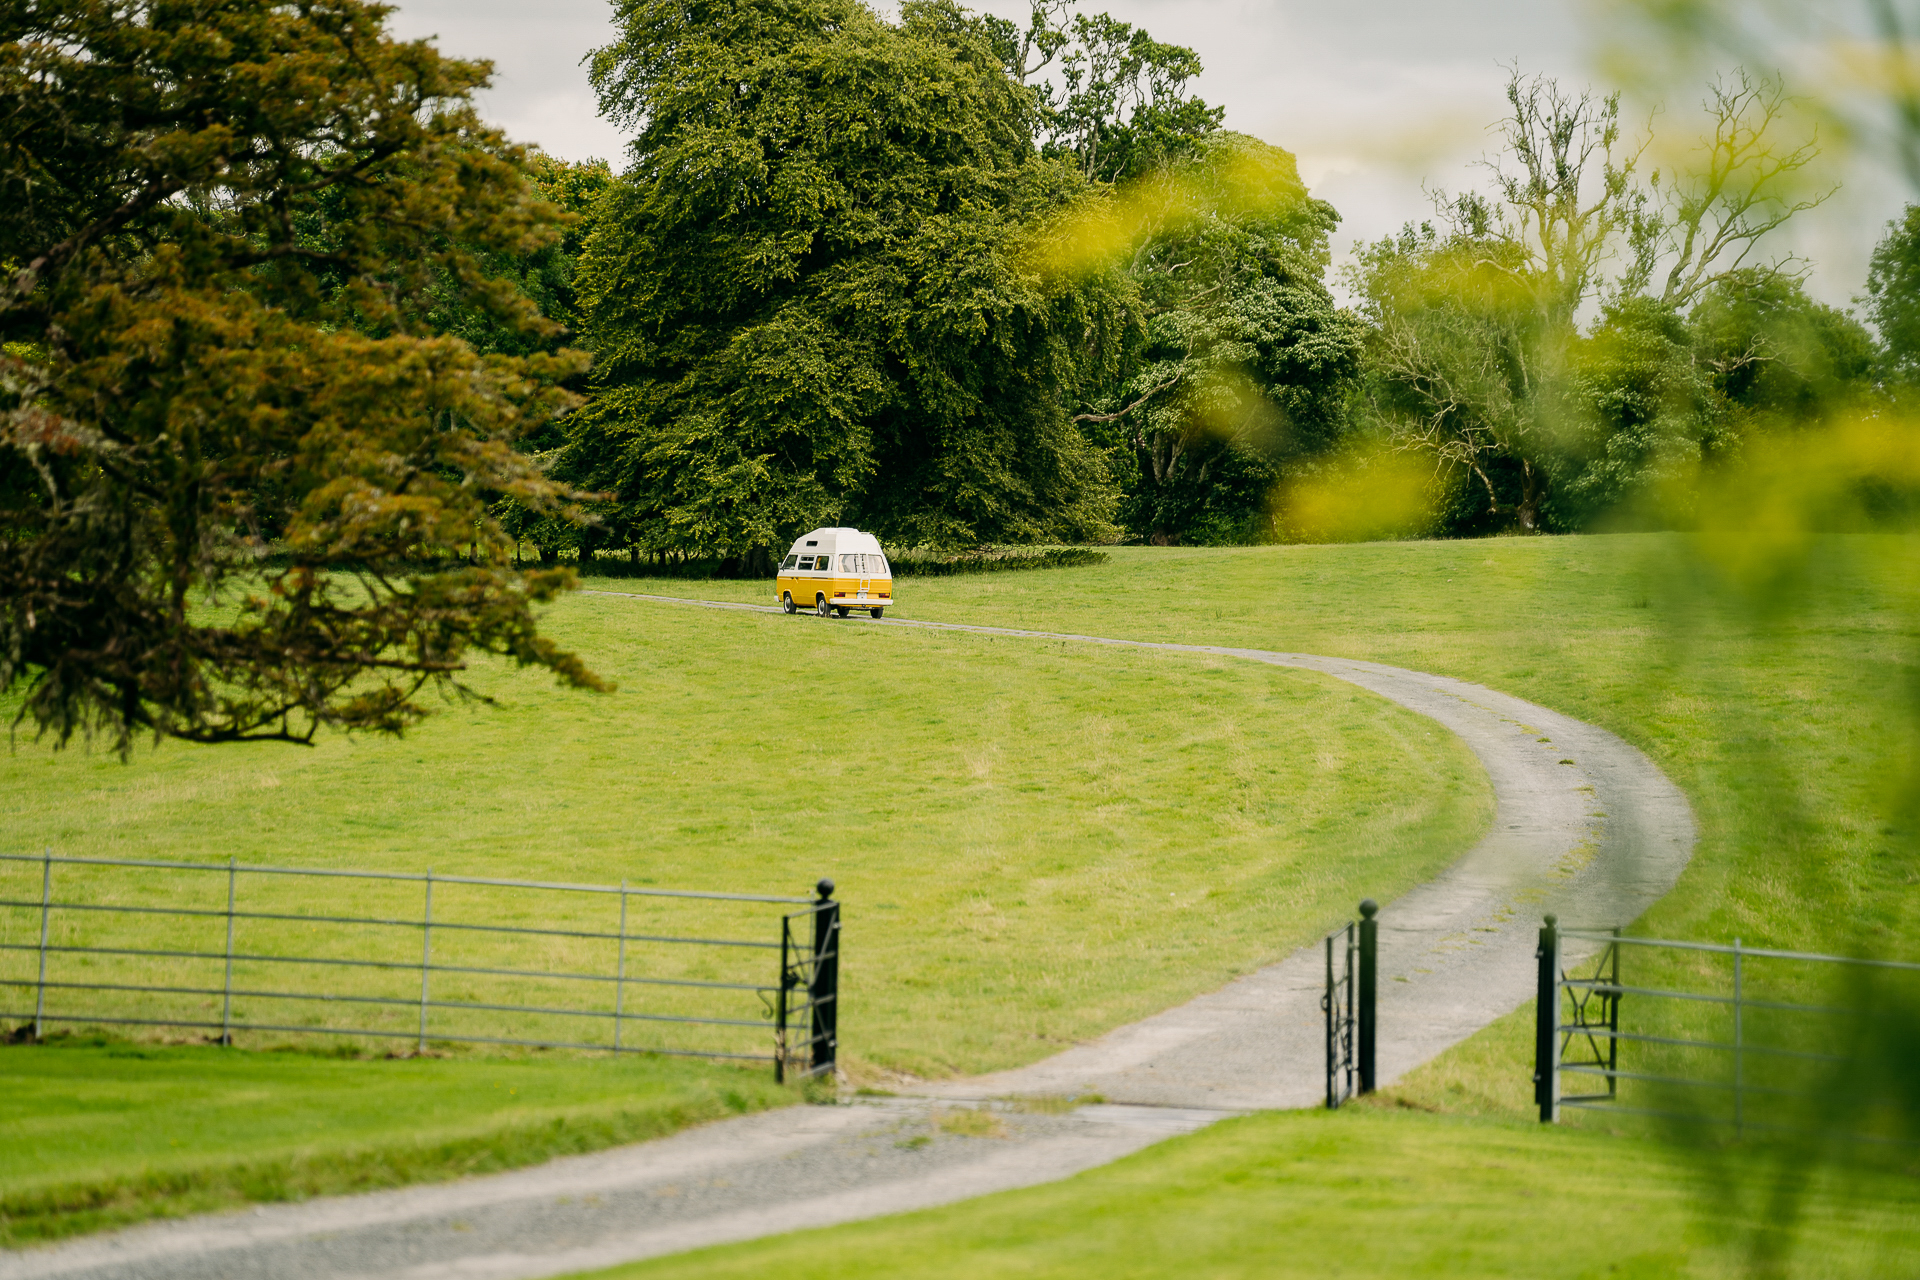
(1528, 512)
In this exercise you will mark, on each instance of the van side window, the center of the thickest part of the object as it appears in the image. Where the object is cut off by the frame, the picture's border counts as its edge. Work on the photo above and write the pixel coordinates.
(789, 562)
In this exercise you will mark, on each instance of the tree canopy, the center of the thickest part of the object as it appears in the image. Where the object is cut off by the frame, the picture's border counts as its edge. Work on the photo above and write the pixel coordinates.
(1585, 338)
(227, 232)
(808, 295)
(1246, 360)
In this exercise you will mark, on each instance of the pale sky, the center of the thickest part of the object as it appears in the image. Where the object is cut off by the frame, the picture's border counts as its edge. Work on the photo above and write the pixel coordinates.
(1373, 97)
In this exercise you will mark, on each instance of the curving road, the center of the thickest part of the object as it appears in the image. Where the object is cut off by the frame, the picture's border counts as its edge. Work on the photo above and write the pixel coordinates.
(1584, 825)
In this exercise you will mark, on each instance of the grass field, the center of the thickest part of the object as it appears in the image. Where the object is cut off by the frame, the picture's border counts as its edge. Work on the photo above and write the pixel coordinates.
(1310, 1194)
(1787, 729)
(105, 1133)
(1060, 790)
(1007, 822)
(1781, 734)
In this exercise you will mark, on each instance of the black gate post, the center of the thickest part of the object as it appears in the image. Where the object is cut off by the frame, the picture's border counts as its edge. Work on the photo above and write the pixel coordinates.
(824, 990)
(1546, 1021)
(780, 1047)
(1330, 1006)
(1369, 970)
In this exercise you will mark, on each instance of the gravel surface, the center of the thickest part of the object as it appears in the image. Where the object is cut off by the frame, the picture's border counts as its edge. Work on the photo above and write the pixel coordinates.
(1584, 826)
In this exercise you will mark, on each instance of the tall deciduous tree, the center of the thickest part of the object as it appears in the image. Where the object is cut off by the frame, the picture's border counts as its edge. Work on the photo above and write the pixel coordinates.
(1893, 293)
(809, 296)
(1478, 356)
(1247, 362)
(226, 228)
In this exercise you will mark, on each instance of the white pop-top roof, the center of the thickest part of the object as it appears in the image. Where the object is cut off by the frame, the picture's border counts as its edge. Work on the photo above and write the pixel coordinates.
(835, 542)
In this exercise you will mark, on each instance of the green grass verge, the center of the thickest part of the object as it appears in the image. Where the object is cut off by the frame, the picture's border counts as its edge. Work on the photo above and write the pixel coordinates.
(1351, 1193)
(103, 1133)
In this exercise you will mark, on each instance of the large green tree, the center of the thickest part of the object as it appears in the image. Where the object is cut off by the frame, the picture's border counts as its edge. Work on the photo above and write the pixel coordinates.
(809, 295)
(1246, 362)
(1893, 293)
(226, 227)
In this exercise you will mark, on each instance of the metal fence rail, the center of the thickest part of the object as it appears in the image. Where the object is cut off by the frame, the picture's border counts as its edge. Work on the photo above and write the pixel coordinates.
(1579, 1032)
(139, 942)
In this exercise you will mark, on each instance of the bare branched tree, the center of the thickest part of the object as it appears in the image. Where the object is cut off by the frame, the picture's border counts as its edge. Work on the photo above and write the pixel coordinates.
(1567, 189)
(1748, 184)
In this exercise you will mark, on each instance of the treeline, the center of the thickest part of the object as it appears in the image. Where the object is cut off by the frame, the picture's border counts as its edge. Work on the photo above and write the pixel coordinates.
(840, 280)
(962, 282)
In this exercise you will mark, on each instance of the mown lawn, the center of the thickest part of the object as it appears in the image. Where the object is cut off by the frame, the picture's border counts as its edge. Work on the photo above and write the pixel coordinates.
(1020, 804)
(101, 1133)
(1784, 722)
(1354, 1193)
(1007, 822)
(1034, 842)
(1785, 716)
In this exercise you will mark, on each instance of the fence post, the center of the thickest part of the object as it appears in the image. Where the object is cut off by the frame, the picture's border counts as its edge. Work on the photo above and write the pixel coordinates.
(1613, 1019)
(1369, 972)
(1739, 1051)
(780, 1001)
(620, 972)
(46, 900)
(1546, 1039)
(426, 960)
(1327, 1005)
(824, 990)
(226, 995)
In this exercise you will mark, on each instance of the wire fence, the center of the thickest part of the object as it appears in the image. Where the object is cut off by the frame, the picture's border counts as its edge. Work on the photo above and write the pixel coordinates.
(1739, 1036)
(237, 950)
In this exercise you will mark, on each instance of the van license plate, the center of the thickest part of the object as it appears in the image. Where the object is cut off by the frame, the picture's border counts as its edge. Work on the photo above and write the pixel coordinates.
(860, 595)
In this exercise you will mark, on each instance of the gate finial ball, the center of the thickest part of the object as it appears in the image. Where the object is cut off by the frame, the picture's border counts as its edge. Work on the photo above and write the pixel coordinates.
(1369, 908)
(824, 889)
(1552, 919)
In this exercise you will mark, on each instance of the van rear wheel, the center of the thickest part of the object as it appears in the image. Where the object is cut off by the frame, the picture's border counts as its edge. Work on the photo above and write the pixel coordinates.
(842, 610)
(876, 612)
(821, 607)
(786, 602)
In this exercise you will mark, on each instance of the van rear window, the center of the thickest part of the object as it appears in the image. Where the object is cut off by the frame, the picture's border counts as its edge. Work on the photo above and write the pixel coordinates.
(867, 566)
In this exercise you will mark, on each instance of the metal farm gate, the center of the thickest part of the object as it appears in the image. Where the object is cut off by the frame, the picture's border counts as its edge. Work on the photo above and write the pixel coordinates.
(236, 949)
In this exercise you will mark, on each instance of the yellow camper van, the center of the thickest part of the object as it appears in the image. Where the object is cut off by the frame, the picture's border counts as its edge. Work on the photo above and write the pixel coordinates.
(836, 571)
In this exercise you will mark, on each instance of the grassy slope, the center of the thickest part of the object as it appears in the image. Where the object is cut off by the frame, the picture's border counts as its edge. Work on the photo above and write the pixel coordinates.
(1000, 816)
(1781, 732)
(996, 814)
(103, 1133)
